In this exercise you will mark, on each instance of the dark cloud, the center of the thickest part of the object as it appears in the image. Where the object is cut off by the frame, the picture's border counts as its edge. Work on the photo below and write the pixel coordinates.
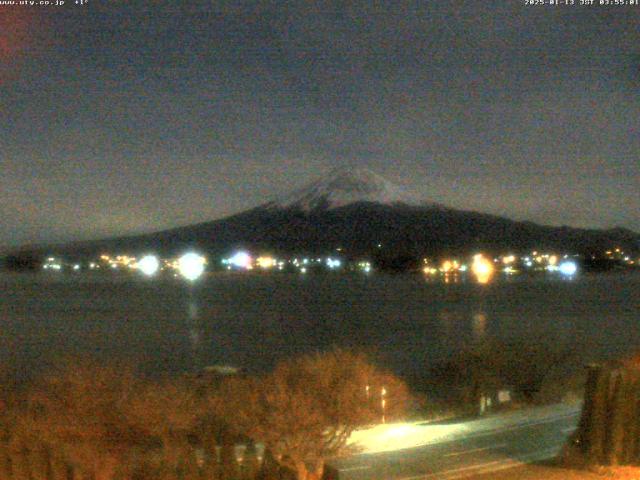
(126, 118)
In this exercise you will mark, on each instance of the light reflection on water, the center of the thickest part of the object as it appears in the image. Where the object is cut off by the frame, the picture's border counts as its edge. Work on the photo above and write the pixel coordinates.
(251, 320)
(195, 331)
(479, 326)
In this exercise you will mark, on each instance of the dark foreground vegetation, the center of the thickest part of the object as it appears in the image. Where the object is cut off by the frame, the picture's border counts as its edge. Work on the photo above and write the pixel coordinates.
(533, 373)
(609, 429)
(83, 421)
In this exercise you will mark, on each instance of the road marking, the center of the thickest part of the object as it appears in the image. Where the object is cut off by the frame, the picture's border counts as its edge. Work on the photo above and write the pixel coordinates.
(493, 466)
(352, 469)
(446, 472)
(521, 425)
(473, 450)
(521, 461)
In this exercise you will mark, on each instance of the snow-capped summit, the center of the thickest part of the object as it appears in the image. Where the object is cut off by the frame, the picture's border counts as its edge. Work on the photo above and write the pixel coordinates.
(344, 186)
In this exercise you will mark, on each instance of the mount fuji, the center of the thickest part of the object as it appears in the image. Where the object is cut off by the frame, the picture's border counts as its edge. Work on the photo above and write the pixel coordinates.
(342, 187)
(361, 213)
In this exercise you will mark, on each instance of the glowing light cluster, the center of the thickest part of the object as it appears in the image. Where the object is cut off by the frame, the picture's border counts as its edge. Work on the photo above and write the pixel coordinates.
(509, 259)
(365, 266)
(568, 268)
(266, 262)
(117, 261)
(450, 266)
(191, 265)
(241, 260)
(333, 263)
(149, 265)
(51, 265)
(482, 268)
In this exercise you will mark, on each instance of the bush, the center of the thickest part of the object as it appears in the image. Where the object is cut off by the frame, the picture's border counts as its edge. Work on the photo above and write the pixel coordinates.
(85, 420)
(306, 409)
(533, 372)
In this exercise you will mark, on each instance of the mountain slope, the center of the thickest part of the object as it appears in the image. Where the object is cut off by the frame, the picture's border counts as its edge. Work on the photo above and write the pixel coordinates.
(357, 210)
(346, 186)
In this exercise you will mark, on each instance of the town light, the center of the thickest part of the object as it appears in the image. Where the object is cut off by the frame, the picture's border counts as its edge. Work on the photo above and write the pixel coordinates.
(149, 265)
(241, 260)
(266, 262)
(482, 268)
(191, 265)
(509, 259)
(333, 263)
(568, 268)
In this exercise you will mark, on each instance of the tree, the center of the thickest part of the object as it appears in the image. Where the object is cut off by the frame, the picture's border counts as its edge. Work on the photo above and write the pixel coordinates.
(491, 365)
(306, 409)
(609, 428)
(6, 426)
(168, 411)
(21, 261)
(527, 366)
(78, 410)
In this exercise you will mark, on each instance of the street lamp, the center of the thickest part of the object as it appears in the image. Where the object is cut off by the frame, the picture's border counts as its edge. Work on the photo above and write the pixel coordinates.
(191, 266)
(149, 265)
(482, 268)
(568, 268)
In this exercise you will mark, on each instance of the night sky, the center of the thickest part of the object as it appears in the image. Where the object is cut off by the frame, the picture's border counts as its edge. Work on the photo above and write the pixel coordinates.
(124, 119)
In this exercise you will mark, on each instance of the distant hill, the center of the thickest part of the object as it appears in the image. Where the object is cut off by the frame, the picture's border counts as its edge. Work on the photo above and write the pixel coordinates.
(357, 210)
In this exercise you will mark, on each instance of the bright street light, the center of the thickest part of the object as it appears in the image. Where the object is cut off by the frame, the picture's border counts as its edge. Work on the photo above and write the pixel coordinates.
(241, 260)
(482, 268)
(149, 265)
(568, 268)
(191, 265)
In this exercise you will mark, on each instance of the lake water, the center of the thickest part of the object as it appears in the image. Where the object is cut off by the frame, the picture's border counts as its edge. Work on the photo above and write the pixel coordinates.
(253, 320)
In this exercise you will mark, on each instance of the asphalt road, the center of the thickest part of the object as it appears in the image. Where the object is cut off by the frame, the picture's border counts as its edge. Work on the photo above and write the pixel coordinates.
(477, 447)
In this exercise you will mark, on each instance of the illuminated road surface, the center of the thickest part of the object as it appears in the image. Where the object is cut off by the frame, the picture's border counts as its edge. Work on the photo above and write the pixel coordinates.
(460, 450)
